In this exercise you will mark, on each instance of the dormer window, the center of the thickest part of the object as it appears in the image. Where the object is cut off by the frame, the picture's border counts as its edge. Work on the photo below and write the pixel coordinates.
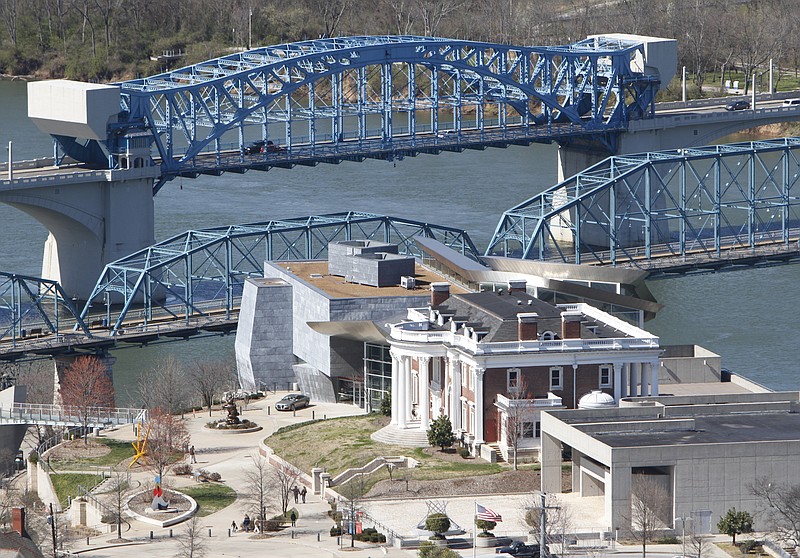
(548, 336)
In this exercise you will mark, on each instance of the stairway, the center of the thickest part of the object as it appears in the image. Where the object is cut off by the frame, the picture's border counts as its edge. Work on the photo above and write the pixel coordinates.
(411, 437)
(498, 454)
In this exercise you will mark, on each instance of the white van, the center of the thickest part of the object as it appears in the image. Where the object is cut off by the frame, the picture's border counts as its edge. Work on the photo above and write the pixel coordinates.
(791, 103)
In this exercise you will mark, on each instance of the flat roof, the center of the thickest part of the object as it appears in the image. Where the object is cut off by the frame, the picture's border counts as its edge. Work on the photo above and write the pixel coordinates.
(711, 429)
(316, 273)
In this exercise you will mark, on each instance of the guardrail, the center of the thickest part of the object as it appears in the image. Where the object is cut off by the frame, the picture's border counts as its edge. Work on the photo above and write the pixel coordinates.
(29, 413)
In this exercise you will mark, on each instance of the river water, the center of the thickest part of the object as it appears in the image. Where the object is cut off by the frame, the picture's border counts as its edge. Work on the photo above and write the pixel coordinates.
(741, 315)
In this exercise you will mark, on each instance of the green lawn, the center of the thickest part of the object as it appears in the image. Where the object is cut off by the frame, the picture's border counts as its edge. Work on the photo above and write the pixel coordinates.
(338, 444)
(66, 484)
(120, 451)
(210, 497)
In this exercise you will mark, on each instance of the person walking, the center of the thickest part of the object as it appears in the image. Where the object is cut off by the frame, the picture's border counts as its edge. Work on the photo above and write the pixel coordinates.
(192, 457)
(246, 523)
(234, 527)
(296, 492)
(293, 517)
(303, 494)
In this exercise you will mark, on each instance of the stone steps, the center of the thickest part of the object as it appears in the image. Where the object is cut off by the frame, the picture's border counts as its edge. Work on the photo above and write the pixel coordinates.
(411, 437)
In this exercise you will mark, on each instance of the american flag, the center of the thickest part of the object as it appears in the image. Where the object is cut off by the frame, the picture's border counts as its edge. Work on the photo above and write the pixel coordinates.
(487, 514)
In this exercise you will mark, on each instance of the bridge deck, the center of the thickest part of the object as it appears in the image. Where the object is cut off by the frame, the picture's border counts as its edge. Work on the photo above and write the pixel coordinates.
(59, 415)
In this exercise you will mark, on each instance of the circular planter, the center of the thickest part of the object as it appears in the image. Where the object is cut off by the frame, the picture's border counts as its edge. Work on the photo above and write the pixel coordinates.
(234, 430)
(485, 542)
(438, 542)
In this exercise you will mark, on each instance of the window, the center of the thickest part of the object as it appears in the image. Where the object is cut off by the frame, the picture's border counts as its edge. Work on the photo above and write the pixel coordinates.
(464, 415)
(556, 374)
(548, 336)
(531, 429)
(605, 376)
(464, 375)
(512, 379)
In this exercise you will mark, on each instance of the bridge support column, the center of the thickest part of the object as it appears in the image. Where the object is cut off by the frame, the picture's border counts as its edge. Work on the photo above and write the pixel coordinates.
(93, 217)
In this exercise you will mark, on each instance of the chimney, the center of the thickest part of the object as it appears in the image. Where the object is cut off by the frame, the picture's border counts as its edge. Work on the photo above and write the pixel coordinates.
(571, 325)
(439, 293)
(18, 521)
(517, 286)
(528, 326)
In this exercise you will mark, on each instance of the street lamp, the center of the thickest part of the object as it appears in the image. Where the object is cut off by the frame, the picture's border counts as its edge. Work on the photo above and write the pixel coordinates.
(683, 521)
(107, 300)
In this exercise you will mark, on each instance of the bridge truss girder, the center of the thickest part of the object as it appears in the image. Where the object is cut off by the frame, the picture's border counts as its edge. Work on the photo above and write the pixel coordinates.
(630, 209)
(32, 307)
(327, 93)
(202, 273)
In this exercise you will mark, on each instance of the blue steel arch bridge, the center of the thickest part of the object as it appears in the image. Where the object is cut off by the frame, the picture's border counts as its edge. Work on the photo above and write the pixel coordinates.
(386, 97)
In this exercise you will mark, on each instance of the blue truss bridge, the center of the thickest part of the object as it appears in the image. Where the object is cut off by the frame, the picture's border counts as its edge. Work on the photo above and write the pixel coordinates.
(384, 97)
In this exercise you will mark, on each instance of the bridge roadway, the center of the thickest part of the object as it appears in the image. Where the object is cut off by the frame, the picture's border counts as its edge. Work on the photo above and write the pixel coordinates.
(136, 331)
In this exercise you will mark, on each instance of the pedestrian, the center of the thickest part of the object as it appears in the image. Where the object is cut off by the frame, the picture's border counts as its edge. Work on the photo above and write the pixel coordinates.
(234, 527)
(246, 523)
(192, 457)
(296, 492)
(293, 517)
(303, 494)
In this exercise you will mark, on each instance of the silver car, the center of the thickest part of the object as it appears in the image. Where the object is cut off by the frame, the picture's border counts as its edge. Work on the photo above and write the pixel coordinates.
(293, 401)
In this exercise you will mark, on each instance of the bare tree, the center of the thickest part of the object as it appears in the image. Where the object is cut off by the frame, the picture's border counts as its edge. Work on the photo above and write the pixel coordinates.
(517, 417)
(260, 484)
(164, 387)
(37, 377)
(331, 12)
(191, 543)
(118, 489)
(558, 519)
(167, 438)
(699, 545)
(86, 388)
(284, 478)
(208, 378)
(433, 12)
(780, 505)
(648, 502)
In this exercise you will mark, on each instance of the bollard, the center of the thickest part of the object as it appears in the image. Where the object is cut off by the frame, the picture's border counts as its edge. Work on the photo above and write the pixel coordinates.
(87, 541)
(170, 533)
(229, 532)
(292, 533)
(269, 410)
(151, 535)
(294, 413)
(317, 537)
(324, 417)
(209, 531)
(338, 541)
(313, 415)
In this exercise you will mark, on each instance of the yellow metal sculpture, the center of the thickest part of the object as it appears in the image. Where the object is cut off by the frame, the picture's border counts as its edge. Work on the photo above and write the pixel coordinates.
(140, 445)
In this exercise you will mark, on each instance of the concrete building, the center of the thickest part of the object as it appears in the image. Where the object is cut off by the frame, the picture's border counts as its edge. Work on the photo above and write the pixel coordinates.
(704, 450)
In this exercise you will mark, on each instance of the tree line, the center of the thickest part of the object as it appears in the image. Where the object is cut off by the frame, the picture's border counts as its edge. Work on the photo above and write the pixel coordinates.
(103, 40)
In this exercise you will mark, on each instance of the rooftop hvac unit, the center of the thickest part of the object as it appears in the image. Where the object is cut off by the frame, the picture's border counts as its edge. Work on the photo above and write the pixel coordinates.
(408, 282)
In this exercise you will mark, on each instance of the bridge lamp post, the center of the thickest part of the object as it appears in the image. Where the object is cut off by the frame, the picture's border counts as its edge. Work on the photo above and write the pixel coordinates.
(10, 162)
(107, 300)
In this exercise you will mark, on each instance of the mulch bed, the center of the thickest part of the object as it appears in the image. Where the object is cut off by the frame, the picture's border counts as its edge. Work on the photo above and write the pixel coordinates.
(141, 503)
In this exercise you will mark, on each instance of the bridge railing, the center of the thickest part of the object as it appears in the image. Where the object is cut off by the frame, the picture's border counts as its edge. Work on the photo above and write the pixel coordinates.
(65, 414)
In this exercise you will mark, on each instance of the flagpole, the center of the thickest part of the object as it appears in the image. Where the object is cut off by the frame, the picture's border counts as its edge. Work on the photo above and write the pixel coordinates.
(475, 529)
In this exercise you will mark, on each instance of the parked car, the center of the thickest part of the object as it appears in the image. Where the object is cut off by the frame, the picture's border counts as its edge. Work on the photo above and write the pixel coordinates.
(791, 103)
(293, 401)
(518, 548)
(741, 104)
(447, 134)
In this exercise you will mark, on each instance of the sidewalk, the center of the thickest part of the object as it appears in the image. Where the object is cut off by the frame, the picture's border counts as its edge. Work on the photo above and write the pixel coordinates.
(230, 455)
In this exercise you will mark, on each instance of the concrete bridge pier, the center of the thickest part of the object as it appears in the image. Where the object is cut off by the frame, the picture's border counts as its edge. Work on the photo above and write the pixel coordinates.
(94, 217)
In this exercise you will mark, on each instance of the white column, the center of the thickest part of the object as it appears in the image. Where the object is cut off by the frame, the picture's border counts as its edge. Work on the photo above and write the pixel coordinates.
(455, 393)
(395, 387)
(645, 366)
(402, 392)
(617, 381)
(424, 398)
(634, 378)
(479, 405)
(654, 378)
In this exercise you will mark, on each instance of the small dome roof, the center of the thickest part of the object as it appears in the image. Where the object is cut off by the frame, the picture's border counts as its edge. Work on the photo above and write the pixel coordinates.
(596, 399)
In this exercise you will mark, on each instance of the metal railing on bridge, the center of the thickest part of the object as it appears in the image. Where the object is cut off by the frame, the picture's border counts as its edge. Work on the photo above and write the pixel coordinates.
(63, 415)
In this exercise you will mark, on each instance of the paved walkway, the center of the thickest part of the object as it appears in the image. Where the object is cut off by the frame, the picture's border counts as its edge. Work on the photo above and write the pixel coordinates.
(230, 455)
